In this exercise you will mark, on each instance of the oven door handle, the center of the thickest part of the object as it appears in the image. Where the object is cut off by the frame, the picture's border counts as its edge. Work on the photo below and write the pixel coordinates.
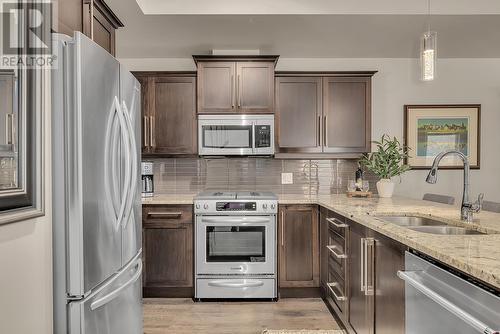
(230, 220)
(244, 284)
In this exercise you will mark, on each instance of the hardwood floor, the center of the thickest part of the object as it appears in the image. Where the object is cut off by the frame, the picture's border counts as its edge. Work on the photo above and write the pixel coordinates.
(182, 316)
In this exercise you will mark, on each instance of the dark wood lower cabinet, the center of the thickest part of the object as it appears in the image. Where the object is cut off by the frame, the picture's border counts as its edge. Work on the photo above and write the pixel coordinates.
(371, 299)
(390, 289)
(168, 251)
(298, 244)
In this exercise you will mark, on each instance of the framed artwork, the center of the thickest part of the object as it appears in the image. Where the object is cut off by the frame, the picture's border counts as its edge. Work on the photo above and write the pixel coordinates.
(431, 129)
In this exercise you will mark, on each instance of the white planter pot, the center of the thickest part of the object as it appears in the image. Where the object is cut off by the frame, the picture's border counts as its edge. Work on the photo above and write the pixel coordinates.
(385, 188)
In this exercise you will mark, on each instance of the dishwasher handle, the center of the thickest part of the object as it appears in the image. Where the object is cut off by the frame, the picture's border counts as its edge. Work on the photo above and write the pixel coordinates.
(410, 277)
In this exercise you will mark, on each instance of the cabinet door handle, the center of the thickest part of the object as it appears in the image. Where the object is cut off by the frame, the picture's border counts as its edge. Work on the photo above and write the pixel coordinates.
(369, 259)
(151, 131)
(334, 285)
(239, 91)
(318, 142)
(145, 130)
(282, 228)
(332, 249)
(325, 136)
(232, 91)
(337, 223)
(9, 129)
(362, 262)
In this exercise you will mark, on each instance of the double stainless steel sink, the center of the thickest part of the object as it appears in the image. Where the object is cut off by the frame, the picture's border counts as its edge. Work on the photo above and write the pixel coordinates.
(427, 225)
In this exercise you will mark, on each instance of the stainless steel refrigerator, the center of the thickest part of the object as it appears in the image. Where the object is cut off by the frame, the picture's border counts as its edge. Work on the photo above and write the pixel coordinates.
(96, 192)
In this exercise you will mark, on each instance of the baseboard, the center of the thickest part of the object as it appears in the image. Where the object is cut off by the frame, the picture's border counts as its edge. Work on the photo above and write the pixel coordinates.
(299, 293)
(160, 292)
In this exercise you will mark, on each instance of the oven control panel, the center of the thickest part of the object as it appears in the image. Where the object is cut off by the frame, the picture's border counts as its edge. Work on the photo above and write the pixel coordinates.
(236, 206)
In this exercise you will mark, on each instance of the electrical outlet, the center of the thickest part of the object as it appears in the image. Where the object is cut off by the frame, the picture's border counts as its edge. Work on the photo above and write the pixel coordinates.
(286, 178)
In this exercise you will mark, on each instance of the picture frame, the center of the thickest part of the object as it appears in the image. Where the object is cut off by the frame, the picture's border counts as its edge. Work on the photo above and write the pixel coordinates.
(431, 129)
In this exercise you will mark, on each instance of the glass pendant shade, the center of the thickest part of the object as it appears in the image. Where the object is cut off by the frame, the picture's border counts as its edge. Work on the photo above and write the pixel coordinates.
(428, 55)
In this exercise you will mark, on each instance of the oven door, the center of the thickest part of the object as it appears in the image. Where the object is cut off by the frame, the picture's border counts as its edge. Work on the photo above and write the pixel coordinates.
(225, 137)
(241, 245)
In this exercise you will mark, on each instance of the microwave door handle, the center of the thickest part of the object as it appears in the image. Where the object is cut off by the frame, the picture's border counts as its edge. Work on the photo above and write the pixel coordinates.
(408, 277)
(254, 138)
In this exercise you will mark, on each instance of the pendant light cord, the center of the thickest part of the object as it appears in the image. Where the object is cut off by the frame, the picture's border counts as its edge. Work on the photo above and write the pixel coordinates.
(429, 16)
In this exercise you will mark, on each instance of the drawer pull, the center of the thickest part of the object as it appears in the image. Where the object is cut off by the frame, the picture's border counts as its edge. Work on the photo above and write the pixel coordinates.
(165, 214)
(337, 255)
(337, 223)
(334, 285)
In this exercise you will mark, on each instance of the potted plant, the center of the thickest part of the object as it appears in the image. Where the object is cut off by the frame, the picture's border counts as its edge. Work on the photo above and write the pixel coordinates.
(387, 161)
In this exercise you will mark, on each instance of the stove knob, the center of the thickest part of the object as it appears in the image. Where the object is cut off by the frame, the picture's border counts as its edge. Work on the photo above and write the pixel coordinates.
(273, 206)
(264, 206)
(205, 206)
(198, 206)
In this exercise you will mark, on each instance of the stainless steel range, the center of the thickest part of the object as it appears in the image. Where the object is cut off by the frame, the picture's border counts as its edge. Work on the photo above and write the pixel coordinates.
(235, 245)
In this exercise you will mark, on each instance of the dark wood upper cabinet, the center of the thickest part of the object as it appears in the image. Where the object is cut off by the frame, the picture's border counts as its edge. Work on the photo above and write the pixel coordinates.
(235, 84)
(168, 251)
(168, 113)
(94, 18)
(327, 114)
(174, 115)
(255, 87)
(216, 89)
(69, 17)
(298, 240)
(346, 114)
(298, 114)
(100, 23)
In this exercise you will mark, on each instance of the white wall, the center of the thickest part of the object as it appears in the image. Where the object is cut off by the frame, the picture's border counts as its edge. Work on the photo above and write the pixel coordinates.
(26, 268)
(396, 84)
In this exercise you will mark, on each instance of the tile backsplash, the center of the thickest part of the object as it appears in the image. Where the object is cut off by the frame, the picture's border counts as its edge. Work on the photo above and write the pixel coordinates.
(192, 175)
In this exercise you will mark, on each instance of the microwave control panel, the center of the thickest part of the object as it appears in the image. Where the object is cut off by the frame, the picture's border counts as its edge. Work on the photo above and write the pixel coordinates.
(262, 136)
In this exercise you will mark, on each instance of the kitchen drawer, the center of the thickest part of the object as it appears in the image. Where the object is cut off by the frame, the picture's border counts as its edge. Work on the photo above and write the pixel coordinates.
(337, 264)
(236, 288)
(337, 223)
(334, 239)
(161, 216)
(336, 293)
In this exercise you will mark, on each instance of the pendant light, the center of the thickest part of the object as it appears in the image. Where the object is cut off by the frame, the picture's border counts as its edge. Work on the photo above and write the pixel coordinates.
(428, 50)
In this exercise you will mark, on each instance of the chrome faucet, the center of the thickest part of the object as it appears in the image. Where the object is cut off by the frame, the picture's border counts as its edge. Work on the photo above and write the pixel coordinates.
(467, 209)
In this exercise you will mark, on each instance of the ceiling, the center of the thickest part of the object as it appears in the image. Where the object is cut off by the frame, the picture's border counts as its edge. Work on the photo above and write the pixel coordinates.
(352, 35)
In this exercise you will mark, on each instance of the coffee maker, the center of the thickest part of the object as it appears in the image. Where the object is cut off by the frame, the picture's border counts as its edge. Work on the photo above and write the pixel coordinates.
(147, 179)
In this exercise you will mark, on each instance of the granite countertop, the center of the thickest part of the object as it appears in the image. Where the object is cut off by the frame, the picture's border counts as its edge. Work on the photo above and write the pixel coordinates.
(476, 255)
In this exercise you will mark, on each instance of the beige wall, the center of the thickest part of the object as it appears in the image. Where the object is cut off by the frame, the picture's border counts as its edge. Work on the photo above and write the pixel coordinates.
(26, 268)
(396, 84)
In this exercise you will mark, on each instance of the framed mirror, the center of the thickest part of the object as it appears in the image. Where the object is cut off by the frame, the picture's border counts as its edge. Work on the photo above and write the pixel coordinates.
(25, 102)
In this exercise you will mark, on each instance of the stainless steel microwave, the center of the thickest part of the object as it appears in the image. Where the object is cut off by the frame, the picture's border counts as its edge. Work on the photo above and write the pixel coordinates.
(235, 135)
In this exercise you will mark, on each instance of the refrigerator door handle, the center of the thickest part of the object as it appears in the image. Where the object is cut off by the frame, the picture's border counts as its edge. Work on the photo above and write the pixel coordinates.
(132, 147)
(115, 293)
(125, 189)
(111, 147)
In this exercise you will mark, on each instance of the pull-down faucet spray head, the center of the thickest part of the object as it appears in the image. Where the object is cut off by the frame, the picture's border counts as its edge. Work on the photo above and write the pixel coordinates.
(432, 176)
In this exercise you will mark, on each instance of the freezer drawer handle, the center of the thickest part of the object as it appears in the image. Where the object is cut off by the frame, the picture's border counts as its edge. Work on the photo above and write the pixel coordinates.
(225, 284)
(112, 295)
(408, 277)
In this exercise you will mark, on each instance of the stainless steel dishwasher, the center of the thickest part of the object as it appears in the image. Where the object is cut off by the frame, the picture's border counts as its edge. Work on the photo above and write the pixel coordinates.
(438, 301)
